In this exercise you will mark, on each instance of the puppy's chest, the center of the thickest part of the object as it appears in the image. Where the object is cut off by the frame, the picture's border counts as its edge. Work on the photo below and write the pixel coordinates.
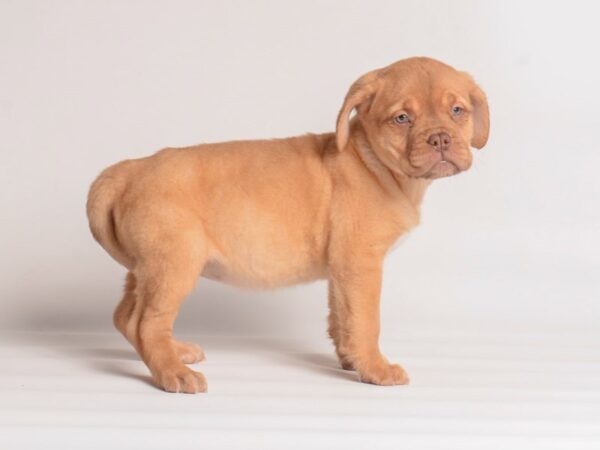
(400, 224)
(398, 241)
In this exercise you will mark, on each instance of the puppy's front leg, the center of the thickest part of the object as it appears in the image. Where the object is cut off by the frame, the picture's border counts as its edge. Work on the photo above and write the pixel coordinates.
(354, 299)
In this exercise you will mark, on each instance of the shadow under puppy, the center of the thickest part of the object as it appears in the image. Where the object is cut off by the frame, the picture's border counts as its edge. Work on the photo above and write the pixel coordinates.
(273, 213)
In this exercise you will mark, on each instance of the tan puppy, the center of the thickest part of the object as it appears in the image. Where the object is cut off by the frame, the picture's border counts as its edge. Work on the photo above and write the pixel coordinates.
(285, 211)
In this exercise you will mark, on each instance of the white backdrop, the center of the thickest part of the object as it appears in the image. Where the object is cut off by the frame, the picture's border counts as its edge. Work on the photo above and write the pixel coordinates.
(514, 244)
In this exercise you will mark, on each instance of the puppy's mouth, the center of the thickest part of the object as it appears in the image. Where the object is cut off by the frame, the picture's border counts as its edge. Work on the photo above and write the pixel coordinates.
(442, 168)
(438, 164)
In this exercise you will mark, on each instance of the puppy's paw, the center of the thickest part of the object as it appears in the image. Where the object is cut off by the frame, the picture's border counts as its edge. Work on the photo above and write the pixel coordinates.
(346, 364)
(188, 352)
(181, 379)
(383, 374)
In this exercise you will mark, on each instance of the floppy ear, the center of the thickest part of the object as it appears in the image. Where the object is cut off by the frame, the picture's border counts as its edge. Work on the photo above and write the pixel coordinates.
(481, 117)
(359, 93)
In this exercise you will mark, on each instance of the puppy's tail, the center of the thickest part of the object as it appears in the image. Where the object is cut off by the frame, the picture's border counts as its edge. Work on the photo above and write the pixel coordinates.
(104, 192)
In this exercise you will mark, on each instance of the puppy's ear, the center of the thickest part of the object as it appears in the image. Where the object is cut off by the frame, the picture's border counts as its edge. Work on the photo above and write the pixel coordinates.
(481, 117)
(360, 94)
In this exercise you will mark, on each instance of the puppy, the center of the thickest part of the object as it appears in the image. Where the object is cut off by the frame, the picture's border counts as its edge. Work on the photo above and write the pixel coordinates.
(272, 213)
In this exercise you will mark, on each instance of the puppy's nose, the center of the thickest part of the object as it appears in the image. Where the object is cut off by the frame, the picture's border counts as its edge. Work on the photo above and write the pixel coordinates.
(440, 141)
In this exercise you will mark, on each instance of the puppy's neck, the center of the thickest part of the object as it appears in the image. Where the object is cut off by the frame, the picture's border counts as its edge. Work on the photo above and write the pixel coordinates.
(392, 181)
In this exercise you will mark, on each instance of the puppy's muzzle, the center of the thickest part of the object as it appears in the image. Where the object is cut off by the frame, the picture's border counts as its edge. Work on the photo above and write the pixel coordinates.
(440, 141)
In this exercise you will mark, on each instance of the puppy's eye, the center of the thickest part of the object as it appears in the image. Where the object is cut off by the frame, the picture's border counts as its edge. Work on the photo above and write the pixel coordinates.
(456, 110)
(402, 118)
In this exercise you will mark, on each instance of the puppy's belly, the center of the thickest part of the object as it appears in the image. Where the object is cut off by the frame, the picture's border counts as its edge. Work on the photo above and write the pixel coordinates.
(263, 274)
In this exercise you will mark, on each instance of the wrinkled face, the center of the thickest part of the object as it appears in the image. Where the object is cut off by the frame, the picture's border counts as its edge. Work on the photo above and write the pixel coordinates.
(420, 117)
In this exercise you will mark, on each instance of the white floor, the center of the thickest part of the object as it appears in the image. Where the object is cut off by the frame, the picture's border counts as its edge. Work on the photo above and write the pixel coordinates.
(90, 391)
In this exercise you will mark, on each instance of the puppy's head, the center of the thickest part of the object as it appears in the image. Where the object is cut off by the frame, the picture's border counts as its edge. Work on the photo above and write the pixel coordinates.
(420, 117)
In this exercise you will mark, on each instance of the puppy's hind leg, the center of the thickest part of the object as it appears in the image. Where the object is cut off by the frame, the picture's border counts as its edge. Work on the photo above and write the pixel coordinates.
(166, 272)
(124, 310)
(188, 352)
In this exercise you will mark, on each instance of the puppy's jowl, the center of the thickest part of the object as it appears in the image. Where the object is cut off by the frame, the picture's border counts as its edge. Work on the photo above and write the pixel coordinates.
(278, 212)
